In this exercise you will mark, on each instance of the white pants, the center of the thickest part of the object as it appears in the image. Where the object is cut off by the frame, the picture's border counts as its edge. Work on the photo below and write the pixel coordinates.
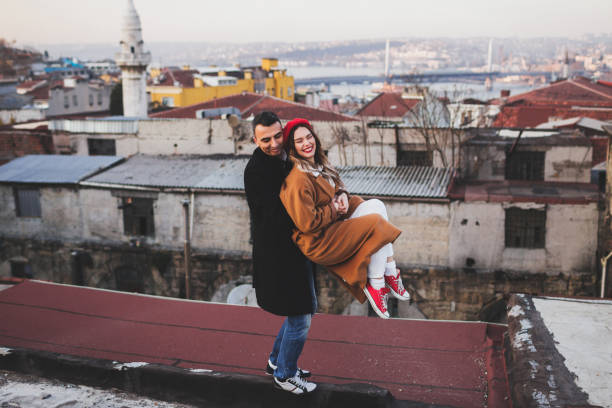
(378, 260)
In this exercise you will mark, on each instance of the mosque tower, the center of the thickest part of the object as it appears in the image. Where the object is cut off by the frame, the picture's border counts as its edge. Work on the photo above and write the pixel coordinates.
(133, 61)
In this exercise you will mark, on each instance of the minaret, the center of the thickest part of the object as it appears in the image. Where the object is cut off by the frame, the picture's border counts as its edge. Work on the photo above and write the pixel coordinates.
(133, 61)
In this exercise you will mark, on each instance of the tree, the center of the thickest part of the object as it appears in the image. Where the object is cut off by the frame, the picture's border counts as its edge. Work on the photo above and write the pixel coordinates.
(438, 124)
(116, 100)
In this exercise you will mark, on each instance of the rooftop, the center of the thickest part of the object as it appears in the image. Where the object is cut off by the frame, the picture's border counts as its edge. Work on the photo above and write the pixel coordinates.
(250, 104)
(225, 172)
(561, 100)
(389, 105)
(560, 351)
(54, 169)
(204, 345)
(516, 191)
(219, 172)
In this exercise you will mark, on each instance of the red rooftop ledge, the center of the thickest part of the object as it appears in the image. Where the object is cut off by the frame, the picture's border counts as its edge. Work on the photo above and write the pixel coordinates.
(452, 364)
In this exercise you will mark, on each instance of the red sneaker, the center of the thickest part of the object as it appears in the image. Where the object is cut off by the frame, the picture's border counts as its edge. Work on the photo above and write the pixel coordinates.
(378, 300)
(396, 287)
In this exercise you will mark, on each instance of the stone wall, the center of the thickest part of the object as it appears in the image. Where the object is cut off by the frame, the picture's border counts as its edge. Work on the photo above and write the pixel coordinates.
(438, 293)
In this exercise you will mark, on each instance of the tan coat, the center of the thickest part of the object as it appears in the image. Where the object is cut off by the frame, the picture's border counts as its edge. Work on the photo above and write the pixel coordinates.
(342, 245)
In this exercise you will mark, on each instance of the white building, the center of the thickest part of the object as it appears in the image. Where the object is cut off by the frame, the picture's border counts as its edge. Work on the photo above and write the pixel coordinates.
(133, 61)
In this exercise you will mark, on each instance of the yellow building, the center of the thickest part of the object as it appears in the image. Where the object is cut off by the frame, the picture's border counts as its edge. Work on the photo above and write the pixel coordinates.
(184, 87)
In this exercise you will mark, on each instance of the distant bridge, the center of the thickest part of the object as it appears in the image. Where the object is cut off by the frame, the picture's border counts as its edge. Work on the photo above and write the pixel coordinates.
(425, 77)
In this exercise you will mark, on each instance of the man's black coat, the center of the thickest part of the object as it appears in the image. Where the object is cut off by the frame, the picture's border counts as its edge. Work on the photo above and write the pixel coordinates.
(280, 270)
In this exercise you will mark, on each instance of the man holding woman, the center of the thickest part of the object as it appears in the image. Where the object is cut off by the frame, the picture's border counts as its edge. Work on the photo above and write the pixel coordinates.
(295, 196)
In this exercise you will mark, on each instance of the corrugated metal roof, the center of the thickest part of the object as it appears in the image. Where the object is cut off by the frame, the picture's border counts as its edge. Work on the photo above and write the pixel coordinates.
(404, 181)
(215, 172)
(54, 169)
(226, 173)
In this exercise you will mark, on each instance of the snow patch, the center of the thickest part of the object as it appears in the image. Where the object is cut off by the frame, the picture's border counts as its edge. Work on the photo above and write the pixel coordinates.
(125, 366)
(5, 351)
(534, 369)
(522, 338)
(541, 399)
(515, 311)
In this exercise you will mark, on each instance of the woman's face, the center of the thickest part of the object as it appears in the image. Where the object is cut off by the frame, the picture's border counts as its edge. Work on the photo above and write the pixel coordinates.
(304, 142)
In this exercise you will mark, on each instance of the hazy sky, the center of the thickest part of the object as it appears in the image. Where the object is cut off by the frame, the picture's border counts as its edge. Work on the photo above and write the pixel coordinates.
(33, 22)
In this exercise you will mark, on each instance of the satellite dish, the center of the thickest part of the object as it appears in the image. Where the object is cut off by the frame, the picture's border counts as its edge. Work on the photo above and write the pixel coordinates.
(242, 295)
(233, 121)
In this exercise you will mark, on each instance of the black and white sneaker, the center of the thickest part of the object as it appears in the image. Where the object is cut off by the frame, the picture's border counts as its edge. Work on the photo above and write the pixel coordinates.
(302, 373)
(295, 385)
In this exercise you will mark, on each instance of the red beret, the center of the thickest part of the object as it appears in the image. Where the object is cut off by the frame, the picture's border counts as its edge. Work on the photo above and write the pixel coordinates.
(292, 124)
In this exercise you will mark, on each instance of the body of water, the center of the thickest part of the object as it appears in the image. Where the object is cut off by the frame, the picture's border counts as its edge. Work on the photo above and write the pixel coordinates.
(452, 90)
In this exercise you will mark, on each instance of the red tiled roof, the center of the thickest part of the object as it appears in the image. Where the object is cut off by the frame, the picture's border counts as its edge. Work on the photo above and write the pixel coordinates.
(389, 105)
(170, 77)
(533, 115)
(29, 84)
(251, 104)
(40, 93)
(570, 92)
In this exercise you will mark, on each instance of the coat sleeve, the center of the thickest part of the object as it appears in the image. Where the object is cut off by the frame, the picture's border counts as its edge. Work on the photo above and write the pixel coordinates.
(298, 197)
(264, 202)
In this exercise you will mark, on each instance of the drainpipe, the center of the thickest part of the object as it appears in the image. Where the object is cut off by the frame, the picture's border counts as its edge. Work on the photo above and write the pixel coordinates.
(186, 203)
(604, 261)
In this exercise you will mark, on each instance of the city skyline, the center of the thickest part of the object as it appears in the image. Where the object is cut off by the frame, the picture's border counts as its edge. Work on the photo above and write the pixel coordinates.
(34, 22)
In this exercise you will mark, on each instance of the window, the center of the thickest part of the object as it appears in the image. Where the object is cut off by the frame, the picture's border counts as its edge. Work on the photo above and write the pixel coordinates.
(138, 216)
(289, 91)
(414, 158)
(525, 166)
(27, 202)
(91, 100)
(66, 102)
(99, 98)
(525, 228)
(168, 101)
(21, 269)
(75, 101)
(101, 147)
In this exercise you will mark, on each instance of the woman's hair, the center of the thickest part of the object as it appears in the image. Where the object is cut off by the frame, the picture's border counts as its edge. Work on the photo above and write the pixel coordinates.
(319, 158)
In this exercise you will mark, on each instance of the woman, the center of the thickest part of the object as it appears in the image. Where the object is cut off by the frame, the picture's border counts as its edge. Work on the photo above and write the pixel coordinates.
(349, 236)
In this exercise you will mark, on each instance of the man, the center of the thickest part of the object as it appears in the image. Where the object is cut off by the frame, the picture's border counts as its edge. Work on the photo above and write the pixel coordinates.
(282, 276)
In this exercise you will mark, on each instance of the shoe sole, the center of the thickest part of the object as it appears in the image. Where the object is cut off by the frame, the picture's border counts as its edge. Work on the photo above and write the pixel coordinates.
(373, 304)
(397, 295)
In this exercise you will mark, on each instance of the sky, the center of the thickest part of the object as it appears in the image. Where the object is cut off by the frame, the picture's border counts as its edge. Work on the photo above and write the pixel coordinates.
(34, 22)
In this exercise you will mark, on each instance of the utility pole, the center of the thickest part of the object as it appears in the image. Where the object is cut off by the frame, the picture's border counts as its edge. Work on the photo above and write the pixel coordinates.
(186, 203)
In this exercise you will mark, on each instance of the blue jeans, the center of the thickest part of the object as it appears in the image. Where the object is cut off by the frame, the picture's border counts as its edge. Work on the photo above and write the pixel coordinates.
(291, 338)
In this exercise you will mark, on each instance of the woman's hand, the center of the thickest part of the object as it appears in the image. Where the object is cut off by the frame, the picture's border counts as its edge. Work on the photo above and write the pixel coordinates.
(341, 203)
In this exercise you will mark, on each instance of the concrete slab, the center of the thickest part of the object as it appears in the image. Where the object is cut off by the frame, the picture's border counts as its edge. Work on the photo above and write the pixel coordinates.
(458, 364)
(559, 352)
(582, 330)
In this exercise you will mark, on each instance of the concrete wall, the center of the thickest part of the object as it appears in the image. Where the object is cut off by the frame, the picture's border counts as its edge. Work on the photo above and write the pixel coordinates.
(126, 145)
(561, 163)
(477, 231)
(21, 115)
(425, 232)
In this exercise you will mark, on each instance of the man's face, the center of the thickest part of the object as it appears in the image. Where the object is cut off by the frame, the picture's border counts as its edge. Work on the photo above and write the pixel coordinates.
(269, 138)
